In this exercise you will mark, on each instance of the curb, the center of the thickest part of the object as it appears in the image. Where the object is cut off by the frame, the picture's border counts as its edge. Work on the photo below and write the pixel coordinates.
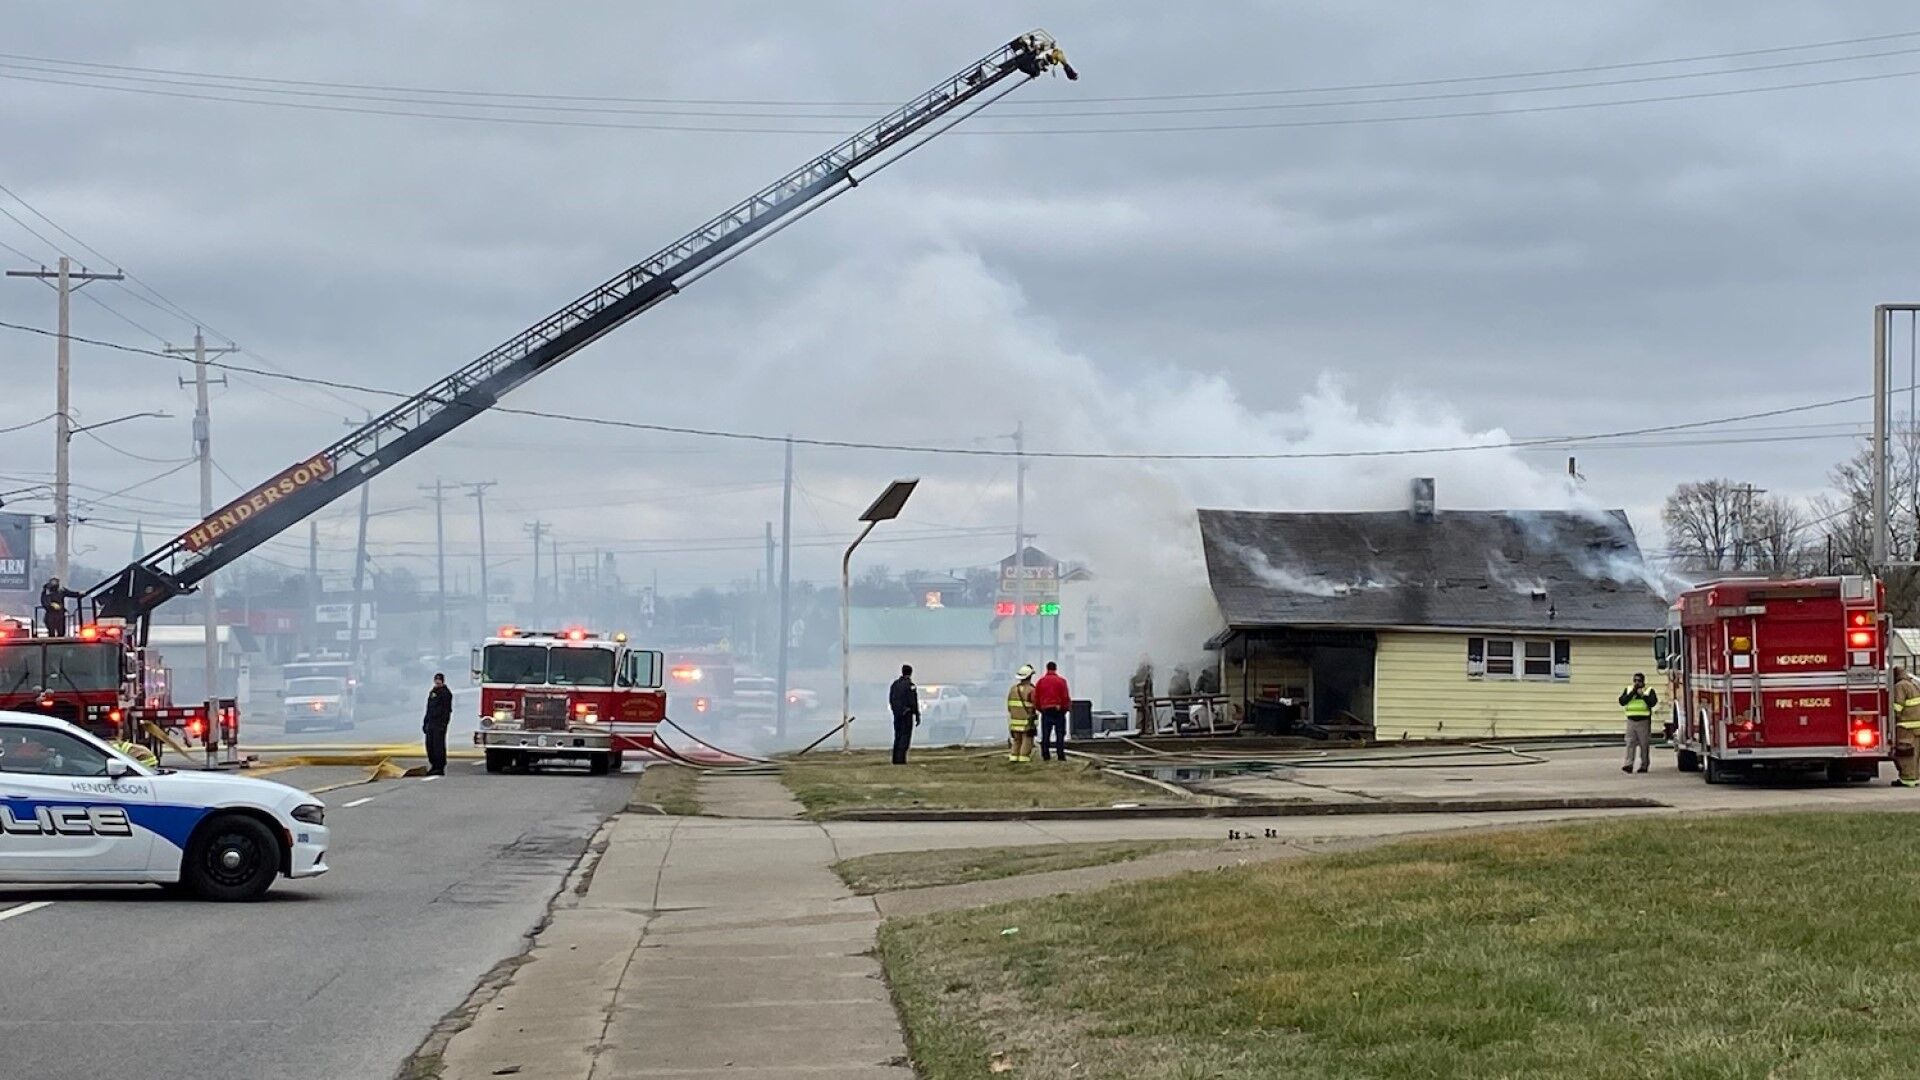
(1240, 810)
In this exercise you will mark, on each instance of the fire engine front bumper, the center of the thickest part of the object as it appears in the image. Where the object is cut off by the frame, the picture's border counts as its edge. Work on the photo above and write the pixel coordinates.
(572, 743)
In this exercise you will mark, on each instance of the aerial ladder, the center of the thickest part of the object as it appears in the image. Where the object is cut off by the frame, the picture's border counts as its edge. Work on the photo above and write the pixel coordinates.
(132, 595)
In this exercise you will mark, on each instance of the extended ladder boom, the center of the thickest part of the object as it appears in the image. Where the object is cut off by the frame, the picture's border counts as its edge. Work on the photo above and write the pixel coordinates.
(391, 437)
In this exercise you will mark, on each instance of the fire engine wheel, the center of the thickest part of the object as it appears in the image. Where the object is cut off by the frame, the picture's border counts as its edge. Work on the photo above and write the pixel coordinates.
(232, 857)
(1717, 773)
(597, 765)
(1687, 760)
(498, 760)
(618, 759)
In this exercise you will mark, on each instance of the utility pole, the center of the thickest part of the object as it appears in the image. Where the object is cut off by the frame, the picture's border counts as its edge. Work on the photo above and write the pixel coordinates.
(1019, 542)
(478, 492)
(203, 448)
(786, 589)
(359, 578)
(439, 497)
(1741, 516)
(66, 281)
(359, 568)
(313, 584)
(536, 529)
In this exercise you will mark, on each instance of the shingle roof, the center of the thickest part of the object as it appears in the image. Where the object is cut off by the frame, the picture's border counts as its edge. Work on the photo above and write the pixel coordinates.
(1494, 569)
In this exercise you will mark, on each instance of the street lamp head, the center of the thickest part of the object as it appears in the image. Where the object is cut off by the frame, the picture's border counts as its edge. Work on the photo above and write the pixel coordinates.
(891, 501)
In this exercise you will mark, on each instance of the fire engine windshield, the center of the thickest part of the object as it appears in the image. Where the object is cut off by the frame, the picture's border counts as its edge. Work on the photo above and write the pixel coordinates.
(582, 667)
(83, 667)
(20, 668)
(518, 664)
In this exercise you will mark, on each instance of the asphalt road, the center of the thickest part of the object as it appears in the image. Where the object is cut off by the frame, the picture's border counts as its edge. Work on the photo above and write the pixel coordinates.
(433, 883)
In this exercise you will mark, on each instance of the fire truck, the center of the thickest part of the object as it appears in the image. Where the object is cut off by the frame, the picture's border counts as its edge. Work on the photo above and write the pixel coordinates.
(701, 684)
(96, 678)
(565, 695)
(1779, 675)
(130, 597)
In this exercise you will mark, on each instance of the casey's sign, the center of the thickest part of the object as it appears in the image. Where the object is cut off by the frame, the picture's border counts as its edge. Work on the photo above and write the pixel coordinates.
(222, 521)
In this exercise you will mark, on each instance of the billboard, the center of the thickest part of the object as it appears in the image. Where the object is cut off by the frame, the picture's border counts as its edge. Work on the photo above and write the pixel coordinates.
(16, 551)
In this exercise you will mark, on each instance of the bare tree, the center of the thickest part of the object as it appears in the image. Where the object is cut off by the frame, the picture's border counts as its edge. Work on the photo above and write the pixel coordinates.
(1708, 523)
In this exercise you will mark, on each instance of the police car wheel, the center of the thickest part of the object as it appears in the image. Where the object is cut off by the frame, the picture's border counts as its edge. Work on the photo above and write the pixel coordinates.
(232, 857)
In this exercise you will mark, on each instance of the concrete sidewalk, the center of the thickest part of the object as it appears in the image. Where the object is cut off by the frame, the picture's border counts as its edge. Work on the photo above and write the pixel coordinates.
(704, 947)
(698, 947)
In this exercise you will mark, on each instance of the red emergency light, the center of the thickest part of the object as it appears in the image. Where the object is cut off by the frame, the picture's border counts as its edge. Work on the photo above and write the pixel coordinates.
(195, 727)
(1865, 737)
(1861, 618)
(580, 709)
(1860, 639)
(113, 715)
(508, 631)
(89, 633)
(699, 704)
(576, 634)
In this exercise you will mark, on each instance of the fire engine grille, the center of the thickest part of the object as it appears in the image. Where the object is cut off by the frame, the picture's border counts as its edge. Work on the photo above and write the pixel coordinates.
(544, 712)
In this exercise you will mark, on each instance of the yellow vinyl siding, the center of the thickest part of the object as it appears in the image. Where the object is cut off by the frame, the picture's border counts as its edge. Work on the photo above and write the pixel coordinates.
(1421, 688)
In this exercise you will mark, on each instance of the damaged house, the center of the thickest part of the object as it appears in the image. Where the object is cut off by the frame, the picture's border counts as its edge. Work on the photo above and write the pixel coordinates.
(1428, 624)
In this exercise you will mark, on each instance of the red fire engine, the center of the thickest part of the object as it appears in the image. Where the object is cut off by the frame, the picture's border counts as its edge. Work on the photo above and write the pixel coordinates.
(548, 695)
(1779, 675)
(96, 678)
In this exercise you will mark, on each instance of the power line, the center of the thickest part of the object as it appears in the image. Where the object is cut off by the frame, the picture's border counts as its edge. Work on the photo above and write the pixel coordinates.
(1185, 96)
(28, 424)
(609, 125)
(989, 452)
(1072, 112)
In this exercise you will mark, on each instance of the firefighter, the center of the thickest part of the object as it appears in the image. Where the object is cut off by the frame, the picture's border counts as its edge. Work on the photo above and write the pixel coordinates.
(1906, 732)
(434, 726)
(1020, 716)
(137, 752)
(53, 603)
(1638, 701)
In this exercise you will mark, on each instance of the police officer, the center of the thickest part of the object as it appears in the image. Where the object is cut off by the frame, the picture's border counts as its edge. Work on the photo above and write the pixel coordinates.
(439, 715)
(1638, 701)
(904, 702)
(53, 602)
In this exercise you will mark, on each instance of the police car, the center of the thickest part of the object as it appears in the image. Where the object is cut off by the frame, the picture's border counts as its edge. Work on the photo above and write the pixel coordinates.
(73, 810)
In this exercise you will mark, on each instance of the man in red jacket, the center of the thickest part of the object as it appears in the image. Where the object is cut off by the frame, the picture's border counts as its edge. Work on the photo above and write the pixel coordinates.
(1053, 699)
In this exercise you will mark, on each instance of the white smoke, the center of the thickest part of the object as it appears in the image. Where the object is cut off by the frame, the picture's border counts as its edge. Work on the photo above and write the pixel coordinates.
(1299, 581)
(945, 346)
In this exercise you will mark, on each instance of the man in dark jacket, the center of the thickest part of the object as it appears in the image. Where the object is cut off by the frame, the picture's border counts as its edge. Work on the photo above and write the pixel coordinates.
(53, 605)
(439, 715)
(904, 700)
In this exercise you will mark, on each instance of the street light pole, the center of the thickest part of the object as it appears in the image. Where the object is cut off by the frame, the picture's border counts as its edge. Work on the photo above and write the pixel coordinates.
(885, 508)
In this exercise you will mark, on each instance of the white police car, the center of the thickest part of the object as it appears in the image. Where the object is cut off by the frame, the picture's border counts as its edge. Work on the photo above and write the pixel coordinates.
(72, 810)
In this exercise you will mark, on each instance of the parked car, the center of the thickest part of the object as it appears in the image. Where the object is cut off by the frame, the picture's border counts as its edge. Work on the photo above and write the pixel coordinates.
(945, 714)
(318, 701)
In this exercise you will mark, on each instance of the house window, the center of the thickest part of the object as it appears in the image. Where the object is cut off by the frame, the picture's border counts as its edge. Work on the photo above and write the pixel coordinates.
(1499, 658)
(1537, 659)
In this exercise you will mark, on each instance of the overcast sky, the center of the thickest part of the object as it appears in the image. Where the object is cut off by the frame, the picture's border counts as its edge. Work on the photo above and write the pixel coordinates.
(1344, 286)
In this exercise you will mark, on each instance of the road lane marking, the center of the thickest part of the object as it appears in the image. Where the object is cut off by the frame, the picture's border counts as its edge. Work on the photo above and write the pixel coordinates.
(429, 779)
(356, 802)
(24, 909)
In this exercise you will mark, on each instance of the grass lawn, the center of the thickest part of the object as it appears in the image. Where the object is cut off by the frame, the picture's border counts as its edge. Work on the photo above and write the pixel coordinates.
(951, 779)
(918, 869)
(670, 787)
(1779, 947)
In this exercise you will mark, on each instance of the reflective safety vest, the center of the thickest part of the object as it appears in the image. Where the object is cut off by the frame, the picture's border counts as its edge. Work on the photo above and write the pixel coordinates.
(1020, 711)
(1637, 707)
(1906, 703)
(137, 752)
